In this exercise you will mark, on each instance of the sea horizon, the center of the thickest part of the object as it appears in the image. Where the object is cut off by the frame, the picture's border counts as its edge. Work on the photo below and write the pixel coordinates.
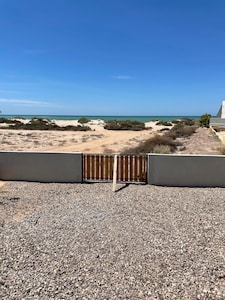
(101, 117)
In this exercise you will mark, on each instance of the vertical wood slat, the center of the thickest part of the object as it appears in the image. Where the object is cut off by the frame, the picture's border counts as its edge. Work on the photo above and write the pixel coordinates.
(100, 167)
(92, 158)
(121, 167)
(106, 167)
(131, 168)
(135, 168)
(87, 166)
(97, 167)
(126, 168)
(111, 168)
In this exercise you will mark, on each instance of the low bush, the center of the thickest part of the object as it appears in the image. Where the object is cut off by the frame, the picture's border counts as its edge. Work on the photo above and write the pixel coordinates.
(204, 120)
(124, 125)
(8, 121)
(188, 122)
(45, 124)
(83, 120)
(179, 130)
(164, 123)
(154, 144)
(76, 128)
(184, 121)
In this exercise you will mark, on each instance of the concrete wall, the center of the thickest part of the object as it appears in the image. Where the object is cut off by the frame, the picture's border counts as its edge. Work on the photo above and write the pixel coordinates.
(41, 166)
(186, 170)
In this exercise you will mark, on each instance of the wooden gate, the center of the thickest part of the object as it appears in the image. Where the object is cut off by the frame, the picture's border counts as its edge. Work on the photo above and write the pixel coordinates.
(99, 167)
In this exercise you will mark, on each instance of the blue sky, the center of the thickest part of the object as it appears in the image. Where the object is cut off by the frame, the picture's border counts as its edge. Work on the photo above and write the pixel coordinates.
(112, 57)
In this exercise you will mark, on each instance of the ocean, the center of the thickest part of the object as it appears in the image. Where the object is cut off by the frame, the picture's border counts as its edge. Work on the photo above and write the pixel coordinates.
(105, 118)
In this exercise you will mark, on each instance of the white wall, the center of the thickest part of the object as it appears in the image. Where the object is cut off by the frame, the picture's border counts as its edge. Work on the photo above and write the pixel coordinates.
(41, 166)
(221, 112)
(186, 170)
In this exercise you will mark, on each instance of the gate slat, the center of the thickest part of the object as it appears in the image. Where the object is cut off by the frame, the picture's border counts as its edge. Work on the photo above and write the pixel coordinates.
(92, 157)
(131, 168)
(126, 168)
(97, 167)
(121, 167)
(106, 167)
(135, 168)
(101, 161)
(111, 168)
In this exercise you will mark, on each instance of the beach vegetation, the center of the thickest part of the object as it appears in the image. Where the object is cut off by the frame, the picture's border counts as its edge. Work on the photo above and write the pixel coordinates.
(83, 120)
(164, 129)
(9, 121)
(124, 125)
(184, 121)
(45, 124)
(164, 123)
(154, 145)
(165, 143)
(188, 122)
(204, 120)
(180, 131)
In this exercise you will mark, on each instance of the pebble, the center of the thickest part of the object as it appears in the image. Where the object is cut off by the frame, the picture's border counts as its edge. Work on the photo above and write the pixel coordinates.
(64, 241)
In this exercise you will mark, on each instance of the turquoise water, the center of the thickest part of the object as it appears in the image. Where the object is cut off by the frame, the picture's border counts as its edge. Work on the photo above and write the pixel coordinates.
(106, 118)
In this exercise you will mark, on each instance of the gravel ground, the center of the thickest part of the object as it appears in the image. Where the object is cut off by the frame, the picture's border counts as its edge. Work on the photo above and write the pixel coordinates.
(82, 241)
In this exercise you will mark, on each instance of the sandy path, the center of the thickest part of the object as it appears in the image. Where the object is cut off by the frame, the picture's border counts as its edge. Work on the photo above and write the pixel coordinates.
(109, 142)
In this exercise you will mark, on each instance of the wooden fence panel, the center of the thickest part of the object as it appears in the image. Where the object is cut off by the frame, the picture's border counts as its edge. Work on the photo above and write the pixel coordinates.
(130, 168)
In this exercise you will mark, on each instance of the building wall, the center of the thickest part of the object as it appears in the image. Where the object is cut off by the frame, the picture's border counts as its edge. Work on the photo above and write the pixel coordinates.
(221, 112)
(186, 170)
(41, 166)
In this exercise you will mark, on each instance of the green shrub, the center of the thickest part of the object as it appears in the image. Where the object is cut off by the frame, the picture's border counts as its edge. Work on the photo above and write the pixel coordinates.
(45, 124)
(184, 121)
(204, 120)
(149, 145)
(188, 121)
(164, 123)
(76, 128)
(5, 120)
(124, 125)
(176, 121)
(179, 130)
(83, 120)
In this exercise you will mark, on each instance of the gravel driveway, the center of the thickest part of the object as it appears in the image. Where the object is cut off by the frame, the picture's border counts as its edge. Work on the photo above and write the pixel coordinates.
(82, 241)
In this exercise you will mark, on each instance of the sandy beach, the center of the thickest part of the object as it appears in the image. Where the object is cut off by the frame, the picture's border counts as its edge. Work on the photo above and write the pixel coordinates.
(98, 140)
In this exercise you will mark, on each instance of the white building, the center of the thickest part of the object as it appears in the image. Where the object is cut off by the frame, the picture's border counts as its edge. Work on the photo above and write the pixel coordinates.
(220, 117)
(221, 112)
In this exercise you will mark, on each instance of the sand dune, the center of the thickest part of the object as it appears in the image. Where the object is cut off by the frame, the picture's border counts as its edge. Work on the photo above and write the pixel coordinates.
(98, 140)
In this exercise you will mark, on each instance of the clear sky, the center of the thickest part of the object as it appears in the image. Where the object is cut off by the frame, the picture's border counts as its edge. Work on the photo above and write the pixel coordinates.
(112, 57)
